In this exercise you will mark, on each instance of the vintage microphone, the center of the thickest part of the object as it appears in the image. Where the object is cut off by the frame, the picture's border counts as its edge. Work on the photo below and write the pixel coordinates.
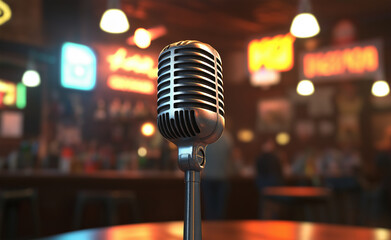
(190, 108)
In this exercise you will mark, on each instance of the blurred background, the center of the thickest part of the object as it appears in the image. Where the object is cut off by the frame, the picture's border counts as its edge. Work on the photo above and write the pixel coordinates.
(307, 104)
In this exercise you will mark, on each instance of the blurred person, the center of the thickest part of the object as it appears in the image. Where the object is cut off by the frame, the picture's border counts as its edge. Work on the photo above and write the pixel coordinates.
(215, 177)
(269, 172)
(328, 161)
(383, 169)
(304, 166)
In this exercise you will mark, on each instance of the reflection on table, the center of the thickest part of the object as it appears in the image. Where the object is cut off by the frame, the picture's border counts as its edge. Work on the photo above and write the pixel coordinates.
(230, 230)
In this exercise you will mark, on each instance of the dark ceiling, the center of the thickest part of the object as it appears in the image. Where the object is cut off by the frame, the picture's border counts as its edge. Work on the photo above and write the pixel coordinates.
(235, 21)
(228, 24)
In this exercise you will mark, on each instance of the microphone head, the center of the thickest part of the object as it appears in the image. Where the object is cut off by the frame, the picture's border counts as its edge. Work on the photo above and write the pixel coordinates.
(190, 100)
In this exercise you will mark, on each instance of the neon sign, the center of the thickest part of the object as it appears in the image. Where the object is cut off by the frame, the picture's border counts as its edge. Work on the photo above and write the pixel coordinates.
(12, 95)
(78, 67)
(130, 70)
(5, 12)
(130, 84)
(272, 53)
(352, 61)
(133, 63)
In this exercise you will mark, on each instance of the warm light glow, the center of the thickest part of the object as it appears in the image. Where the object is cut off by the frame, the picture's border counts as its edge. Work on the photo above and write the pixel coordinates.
(130, 84)
(305, 25)
(265, 78)
(31, 78)
(356, 60)
(305, 88)
(148, 129)
(114, 21)
(5, 12)
(380, 88)
(273, 53)
(142, 152)
(136, 63)
(245, 135)
(381, 233)
(78, 67)
(154, 33)
(283, 138)
(142, 38)
(7, 93)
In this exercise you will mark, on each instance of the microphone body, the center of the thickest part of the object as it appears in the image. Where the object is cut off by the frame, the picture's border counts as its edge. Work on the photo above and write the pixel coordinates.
(190, 107)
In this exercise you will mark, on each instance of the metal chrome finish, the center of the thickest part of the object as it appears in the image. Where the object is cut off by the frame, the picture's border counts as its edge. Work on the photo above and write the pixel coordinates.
(190, 109)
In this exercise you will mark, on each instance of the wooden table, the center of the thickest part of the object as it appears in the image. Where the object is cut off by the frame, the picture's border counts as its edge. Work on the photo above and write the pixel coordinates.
(296, 202)
(297, 192)
(231, 230)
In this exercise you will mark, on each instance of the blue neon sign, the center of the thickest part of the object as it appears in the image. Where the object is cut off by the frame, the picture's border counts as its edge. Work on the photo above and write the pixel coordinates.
(78, 67)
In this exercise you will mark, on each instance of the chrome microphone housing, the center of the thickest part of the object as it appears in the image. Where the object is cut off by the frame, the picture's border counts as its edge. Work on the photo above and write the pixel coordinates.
(190, 99)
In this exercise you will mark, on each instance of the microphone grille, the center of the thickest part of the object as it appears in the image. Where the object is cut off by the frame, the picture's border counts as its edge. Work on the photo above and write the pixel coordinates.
(190, 76)
(184, 124)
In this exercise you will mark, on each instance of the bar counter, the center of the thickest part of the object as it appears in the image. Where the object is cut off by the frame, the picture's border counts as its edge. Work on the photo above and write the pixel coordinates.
(160, 196)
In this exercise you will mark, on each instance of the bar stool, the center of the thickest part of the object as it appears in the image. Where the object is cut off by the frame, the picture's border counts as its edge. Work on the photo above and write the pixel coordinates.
(110, 199)
(16, 196)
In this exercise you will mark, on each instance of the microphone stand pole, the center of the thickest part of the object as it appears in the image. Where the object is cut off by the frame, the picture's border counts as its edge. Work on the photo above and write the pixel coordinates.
(191, 159)
(192, 225)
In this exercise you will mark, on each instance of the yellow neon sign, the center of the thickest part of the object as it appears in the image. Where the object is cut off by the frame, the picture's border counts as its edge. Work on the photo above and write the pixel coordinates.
(5, 12)
(134, 63)
(7, 93)
(130, 84)
(273, 53)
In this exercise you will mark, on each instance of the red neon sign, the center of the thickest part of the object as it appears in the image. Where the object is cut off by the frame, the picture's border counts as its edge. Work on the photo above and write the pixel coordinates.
(355, 60)
(130, 84)
(272, 53)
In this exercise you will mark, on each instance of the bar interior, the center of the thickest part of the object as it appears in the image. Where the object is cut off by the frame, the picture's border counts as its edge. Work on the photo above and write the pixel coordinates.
(303, 88)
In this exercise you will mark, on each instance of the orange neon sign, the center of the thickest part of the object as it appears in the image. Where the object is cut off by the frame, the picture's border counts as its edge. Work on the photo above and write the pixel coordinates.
(130, 84)
(7, 93)
(136, 63)
(273, 53)
(356, 60)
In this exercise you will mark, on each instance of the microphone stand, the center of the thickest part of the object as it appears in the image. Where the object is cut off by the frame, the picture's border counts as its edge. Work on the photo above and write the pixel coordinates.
(191, 159)
(192, 225)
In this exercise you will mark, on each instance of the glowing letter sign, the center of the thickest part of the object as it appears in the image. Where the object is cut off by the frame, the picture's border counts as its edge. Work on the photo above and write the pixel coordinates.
(5, 12)
(358, 60)
(271, 53)
(12, 94)
(131, 72)
(78, 67)
(130, 84)
(133, 63)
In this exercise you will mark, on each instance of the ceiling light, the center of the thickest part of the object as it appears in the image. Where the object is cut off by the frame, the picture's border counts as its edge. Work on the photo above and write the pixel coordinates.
(114, 19)
(304, 24)
(305, 88)
(31, 78)
(380, 88)
(142, 38)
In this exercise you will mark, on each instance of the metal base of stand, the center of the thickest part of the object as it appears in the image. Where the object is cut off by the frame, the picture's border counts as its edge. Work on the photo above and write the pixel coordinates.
(192, 225)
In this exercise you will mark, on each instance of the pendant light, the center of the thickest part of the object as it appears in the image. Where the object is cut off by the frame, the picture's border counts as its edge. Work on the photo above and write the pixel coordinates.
(114, 19)
(305, 88)
(304, 24)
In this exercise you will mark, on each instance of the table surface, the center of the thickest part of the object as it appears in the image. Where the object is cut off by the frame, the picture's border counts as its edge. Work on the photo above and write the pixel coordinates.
(294, 191)
(231, 230)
